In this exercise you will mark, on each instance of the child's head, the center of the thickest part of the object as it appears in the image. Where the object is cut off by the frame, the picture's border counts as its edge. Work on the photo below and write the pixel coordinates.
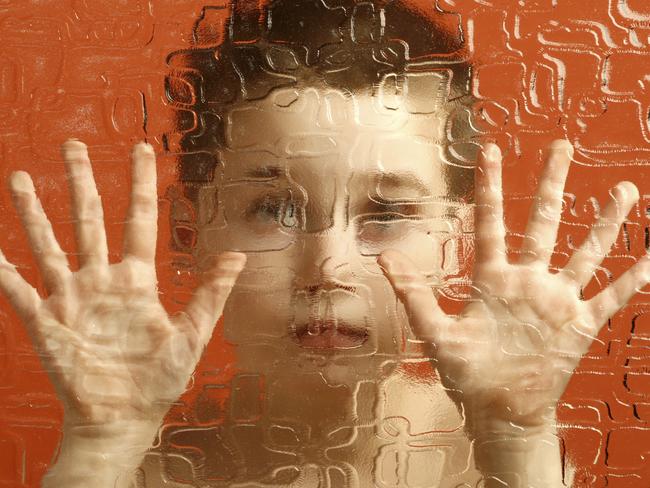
(329, 136)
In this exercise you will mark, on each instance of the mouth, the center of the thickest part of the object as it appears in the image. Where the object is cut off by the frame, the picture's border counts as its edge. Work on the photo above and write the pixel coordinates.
(329, 334)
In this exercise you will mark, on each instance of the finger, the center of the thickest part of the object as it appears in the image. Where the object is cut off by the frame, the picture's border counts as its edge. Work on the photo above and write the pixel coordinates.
(141, 227)
(544, 220)
(426, 318)
(51, 259)
(87, 211)
(22, 296)
(615, 296)
(602, 235)
(206, 306)
(489, 224)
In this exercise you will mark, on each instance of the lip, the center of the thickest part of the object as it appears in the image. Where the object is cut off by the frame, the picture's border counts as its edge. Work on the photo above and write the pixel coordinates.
(329, 334)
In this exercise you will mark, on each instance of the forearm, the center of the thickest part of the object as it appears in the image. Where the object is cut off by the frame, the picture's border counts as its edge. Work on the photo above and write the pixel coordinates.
(520, 461)
(106, 458)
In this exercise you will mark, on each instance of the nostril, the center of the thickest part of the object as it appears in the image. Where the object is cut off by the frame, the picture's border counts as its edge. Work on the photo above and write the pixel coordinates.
(333, 270)
(324, 263)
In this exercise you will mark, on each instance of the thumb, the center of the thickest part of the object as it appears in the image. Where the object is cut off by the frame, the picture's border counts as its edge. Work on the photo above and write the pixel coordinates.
(206, 306)
(411, 287)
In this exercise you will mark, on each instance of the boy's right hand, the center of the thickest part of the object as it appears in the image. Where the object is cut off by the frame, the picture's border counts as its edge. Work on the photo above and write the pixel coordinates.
(113, 353)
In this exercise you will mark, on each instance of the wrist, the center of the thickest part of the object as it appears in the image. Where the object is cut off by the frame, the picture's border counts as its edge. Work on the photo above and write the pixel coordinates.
(103, 456)
(516, 458)
(499, 429)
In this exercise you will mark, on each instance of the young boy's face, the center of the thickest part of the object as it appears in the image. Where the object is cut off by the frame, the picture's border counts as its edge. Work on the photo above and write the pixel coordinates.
(313, 187)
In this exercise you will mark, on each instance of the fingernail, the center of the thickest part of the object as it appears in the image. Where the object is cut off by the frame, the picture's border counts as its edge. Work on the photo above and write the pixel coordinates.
(73, 142)
(562, 145)
(73, 148)
(21, 181)
(627, 189)
(143, 148)
(383, 262)
(491, 152)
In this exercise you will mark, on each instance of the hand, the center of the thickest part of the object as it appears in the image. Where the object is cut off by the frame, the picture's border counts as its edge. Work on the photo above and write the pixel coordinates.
(507, 358)
(114, 355)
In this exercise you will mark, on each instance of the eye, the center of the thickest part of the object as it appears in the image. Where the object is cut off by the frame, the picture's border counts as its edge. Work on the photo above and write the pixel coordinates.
(273, 209)
(265, 208)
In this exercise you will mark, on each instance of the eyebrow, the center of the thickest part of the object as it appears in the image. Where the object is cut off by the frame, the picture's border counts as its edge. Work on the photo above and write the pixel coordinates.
(396, 180)
(264, 172)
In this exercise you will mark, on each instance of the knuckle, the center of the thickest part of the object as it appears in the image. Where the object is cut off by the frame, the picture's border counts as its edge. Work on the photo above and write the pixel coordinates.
(143, 198)
(221, 285)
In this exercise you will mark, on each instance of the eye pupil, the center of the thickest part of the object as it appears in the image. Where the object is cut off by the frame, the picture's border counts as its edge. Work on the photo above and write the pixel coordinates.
(289, 219)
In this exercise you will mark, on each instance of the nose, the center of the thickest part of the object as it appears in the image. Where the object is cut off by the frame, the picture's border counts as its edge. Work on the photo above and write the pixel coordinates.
(326, 259)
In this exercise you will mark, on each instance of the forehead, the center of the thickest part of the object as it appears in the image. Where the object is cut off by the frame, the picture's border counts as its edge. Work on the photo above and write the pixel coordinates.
(335, 131)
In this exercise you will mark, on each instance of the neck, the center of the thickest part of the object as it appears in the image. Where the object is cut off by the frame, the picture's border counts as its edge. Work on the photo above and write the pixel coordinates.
(297, 428)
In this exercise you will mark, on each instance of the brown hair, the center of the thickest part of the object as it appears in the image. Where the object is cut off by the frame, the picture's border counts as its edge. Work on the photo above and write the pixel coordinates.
(352, 46)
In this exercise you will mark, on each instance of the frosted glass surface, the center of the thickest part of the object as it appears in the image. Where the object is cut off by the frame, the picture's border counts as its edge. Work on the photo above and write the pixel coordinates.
(315, 137)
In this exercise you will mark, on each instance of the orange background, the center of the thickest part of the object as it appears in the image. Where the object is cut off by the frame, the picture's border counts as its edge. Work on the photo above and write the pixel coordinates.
(94, 70)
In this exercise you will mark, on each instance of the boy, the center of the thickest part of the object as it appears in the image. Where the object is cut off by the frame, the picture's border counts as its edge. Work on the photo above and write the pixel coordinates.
(325, 156)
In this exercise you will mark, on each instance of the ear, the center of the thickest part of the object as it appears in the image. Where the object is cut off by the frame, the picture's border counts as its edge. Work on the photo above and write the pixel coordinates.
(182, 219)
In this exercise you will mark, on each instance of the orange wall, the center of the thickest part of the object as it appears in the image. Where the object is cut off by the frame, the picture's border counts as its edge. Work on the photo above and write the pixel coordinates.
(94, 70)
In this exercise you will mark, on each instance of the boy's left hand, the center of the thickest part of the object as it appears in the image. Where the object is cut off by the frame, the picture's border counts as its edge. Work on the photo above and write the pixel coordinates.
(507, 358)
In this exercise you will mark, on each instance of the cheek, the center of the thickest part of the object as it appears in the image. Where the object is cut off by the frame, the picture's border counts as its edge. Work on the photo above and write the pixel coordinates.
(260, 304)
(208, 245)
(433, 253)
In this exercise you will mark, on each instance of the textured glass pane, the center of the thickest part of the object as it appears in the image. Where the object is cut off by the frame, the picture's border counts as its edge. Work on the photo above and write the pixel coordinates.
(336, 144)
